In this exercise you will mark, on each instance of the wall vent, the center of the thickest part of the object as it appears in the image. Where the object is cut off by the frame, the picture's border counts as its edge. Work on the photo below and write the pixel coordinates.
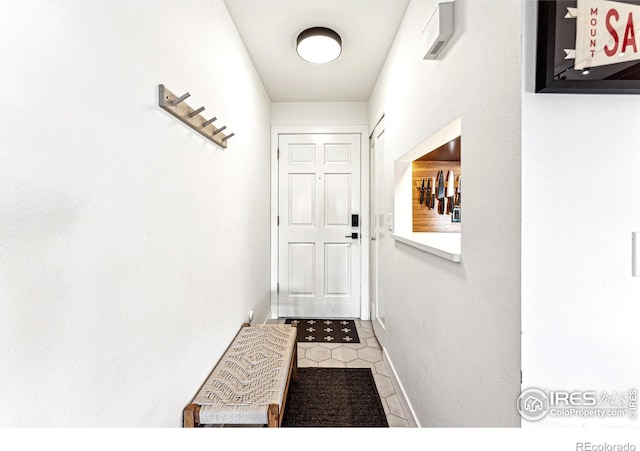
(436, 48)
(438, 31)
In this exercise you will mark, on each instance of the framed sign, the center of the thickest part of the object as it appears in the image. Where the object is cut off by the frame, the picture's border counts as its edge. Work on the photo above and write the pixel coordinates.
(588, 46)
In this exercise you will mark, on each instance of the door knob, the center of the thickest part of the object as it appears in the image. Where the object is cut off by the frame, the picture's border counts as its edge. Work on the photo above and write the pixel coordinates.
(353, 236)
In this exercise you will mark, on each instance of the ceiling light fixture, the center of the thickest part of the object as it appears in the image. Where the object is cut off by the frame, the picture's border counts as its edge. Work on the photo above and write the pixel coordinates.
(319, 45)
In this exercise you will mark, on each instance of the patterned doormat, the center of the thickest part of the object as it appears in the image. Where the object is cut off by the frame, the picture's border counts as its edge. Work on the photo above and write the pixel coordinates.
(334, 397)
(326, 330)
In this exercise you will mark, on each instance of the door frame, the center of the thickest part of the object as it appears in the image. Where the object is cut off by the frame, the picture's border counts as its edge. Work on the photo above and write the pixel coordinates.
(378, 328)
(363, 131)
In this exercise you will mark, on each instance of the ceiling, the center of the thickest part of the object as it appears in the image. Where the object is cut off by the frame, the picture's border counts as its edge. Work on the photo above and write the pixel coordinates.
(269, 29)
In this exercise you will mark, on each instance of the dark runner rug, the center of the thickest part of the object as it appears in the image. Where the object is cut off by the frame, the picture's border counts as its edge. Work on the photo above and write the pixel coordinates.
(334, 397)
(326, 330)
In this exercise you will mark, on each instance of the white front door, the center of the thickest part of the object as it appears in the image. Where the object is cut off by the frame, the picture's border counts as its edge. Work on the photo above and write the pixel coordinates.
(319, 192)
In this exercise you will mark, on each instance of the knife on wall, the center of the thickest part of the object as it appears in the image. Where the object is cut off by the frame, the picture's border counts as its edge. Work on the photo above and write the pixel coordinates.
(458, 191)
(451, 191)
(422, 192)
(434, 188)
(427, 202)
(440, 192)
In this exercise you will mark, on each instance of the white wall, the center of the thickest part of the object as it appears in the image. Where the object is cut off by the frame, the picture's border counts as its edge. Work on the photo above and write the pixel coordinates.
(453, 329)
(580, 191)
(319, 113)
(123, 233)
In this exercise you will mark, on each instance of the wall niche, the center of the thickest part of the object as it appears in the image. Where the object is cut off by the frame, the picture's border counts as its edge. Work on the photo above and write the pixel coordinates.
(432, 213)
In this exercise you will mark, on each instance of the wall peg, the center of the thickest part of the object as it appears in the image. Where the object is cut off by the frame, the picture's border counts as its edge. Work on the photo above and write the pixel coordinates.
(180, 99)
(221, 129)
(196, 112)
(210, 121)
(228, 136)
(177, 107)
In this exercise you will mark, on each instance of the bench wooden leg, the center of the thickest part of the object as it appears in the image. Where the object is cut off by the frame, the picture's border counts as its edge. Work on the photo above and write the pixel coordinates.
(294, 359)
(273, 416)
(294, 370)
(191, 416)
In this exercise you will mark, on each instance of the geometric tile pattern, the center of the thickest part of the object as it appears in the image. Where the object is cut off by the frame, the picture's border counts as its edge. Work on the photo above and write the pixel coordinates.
(366, 354)
(325, 330)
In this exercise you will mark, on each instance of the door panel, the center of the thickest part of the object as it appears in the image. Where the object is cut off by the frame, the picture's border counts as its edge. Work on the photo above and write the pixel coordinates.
(337, 154)
(302, 269)
(318, 261)
(337, 263)
(302, 153)
(337, 196)
(302, 195)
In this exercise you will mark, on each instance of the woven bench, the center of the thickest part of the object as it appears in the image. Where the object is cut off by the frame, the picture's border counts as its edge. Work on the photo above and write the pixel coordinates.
(249, 384)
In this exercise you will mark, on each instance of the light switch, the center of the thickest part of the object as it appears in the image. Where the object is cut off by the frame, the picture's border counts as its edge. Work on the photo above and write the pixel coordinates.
(635, 249)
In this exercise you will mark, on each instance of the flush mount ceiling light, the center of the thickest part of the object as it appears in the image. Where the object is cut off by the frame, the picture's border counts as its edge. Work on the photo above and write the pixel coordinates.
(319, 45)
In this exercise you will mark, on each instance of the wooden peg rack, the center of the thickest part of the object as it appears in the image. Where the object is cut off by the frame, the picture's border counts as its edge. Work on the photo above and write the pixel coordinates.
(177, 107)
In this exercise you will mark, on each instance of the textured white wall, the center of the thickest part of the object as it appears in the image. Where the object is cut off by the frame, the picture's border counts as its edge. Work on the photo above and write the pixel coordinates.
(580, 191)
(319, 113)
(131, 248)
(453, 330)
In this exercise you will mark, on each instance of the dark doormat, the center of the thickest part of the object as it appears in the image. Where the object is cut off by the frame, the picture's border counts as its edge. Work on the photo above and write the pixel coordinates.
(334, 397)
(326, 330)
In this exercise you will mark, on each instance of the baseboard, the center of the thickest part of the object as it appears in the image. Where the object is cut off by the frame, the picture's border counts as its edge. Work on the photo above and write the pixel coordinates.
(402, 396)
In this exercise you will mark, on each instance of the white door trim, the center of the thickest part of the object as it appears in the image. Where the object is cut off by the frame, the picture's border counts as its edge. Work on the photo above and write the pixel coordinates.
(374, 147)
(364, 209)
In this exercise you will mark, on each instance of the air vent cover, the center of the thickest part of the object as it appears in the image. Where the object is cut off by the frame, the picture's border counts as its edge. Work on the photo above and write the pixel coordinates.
(438, 31)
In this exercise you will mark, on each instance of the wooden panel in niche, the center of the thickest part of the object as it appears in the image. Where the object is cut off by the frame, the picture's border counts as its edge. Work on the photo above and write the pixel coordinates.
(447, 152)
(444, 158)
(426, 219)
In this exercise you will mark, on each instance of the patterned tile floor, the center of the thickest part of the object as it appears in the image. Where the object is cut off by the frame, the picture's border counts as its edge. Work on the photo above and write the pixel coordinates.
(366, 354)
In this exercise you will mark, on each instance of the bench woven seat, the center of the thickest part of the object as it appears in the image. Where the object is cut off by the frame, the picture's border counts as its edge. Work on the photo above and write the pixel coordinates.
(250, 379)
